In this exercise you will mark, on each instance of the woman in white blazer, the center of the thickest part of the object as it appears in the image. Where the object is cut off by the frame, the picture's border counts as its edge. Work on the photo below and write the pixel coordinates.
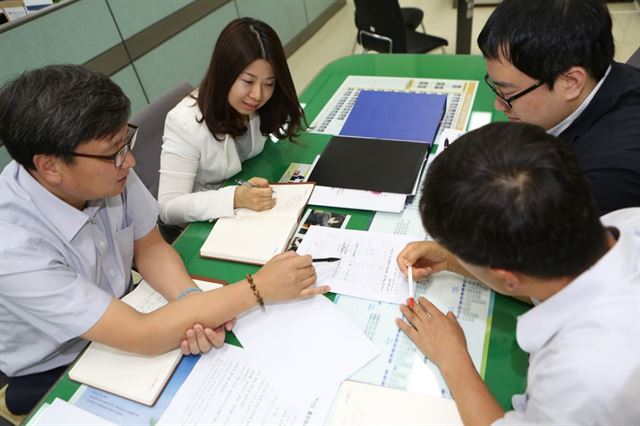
(246, 94)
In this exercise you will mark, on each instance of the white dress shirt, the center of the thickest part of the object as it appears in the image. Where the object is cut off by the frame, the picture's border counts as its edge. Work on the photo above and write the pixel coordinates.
(193, 165)
(584, 341)
(60, 267)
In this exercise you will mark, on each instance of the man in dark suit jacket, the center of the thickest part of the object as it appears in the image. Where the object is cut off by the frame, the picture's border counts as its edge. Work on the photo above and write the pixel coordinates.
(550, 63)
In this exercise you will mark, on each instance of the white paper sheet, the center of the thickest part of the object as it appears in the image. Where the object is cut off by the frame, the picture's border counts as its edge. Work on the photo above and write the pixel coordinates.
(313, 329)
(367, 268)
(356, 199)
(359, 404)
(228, 387)
(63, 413)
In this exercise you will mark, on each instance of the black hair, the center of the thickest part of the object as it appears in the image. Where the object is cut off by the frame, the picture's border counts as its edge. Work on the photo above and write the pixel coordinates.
(51, 110)
(241, 42)
(544, 38)
(511, 196)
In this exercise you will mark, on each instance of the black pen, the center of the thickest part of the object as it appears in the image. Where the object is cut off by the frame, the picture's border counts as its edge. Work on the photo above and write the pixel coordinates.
(326, 259)
(446, 142)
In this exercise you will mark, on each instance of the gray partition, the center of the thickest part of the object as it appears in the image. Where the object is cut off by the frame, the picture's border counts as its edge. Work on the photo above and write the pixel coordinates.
(184, 57)
(133, 16)
(287, 17)
(73, 34)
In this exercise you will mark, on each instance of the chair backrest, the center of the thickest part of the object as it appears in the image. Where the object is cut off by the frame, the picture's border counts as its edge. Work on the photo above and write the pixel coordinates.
(635, 59)
(381, 18)
(150, 122)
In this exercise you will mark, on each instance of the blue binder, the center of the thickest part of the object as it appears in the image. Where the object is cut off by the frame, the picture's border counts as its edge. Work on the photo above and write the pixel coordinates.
(402, 116)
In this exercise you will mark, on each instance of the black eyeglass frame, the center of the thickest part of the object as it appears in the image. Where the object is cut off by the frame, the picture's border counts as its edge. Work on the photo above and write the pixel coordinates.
(510, 99)
(120, 155)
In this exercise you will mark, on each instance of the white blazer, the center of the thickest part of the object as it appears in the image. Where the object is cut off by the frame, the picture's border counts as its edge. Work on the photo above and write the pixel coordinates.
(193, 165)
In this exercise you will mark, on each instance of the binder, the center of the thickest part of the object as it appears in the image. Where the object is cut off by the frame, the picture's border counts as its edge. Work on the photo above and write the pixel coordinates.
(370, 164)
(404, 116)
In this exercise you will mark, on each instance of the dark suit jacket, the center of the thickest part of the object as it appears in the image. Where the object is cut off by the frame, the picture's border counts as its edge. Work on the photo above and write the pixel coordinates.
(606, 140)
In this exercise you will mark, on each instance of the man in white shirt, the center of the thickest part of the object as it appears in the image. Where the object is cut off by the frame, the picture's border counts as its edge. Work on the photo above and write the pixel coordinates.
(509, 205)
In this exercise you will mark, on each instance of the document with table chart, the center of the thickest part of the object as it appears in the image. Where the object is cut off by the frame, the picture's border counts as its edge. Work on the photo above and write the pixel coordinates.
(460, 97)
(401, 365)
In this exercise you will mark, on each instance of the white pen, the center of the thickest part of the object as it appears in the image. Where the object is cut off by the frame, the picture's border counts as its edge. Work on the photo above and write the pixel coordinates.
(412, 288)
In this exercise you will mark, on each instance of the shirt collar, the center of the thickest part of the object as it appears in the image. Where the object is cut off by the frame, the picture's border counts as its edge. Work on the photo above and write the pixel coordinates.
(564, 124)
(66, 218)
(538, 325)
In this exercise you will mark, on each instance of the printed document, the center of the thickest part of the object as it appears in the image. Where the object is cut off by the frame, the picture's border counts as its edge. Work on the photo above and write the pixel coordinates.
(367, 267)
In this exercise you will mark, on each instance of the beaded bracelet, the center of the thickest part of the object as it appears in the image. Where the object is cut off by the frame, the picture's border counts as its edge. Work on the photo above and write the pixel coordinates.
(188, 291)
(256, 293)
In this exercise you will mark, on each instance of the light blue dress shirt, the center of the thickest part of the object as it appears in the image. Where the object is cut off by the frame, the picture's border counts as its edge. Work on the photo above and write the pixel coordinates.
(60, 267)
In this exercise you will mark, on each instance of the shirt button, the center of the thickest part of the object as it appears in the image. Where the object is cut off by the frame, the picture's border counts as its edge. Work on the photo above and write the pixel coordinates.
(112, 272)
(102, 244)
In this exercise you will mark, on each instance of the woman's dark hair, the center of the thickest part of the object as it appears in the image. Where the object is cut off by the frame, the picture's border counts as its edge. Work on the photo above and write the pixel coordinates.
(242, 42)
(511, 196)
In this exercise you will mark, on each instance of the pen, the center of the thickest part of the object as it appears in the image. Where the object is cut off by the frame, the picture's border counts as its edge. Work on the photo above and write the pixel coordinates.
(446, 142)
(245, 183)
(326, 259)
(412, 289)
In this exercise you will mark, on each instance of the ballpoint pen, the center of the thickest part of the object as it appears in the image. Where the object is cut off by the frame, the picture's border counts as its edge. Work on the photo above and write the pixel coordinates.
(446, 142)
(245, 183)
(326, 259)
(412, 289)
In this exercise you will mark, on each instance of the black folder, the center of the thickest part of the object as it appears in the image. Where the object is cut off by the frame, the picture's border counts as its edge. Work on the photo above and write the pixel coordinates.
(370, 164)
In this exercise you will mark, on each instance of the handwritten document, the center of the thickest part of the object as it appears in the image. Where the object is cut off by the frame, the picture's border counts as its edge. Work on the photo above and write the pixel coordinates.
(367, 266)
(227, 387)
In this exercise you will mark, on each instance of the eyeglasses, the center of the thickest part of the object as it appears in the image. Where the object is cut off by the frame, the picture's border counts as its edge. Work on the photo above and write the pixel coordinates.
(507, 101)
(120, 155)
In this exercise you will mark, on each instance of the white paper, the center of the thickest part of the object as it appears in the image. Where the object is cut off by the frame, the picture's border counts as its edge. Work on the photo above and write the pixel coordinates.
(479, 119)
(62, 413)
(357, 199)
(315, 330)
(359, 404)
(367, 266)
(227, 387)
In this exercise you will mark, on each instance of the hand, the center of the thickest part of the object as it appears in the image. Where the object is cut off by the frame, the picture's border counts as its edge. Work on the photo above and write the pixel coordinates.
(426, 257)
(200, 340)
(438, 336)
(287, 276)
(258, 197)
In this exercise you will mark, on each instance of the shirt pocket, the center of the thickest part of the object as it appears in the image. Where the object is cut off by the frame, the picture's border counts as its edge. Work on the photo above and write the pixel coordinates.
(124, 239)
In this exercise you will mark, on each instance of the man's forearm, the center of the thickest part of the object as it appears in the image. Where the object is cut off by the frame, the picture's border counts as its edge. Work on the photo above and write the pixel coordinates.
(476, 404)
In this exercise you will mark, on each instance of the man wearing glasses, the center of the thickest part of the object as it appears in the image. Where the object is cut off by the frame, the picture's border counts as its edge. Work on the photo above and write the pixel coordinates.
(550, 63)
(73, 218)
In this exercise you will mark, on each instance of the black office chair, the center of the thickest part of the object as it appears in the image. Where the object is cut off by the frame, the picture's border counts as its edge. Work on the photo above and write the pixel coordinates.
(150, 122)
(383, 26)
(635, 59)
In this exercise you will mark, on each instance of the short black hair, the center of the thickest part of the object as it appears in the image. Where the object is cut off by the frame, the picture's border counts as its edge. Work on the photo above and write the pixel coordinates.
(544, 38)
(51, 110)
(511, 196)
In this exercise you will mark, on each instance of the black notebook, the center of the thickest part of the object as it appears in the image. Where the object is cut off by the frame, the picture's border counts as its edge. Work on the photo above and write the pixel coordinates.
(370, 164)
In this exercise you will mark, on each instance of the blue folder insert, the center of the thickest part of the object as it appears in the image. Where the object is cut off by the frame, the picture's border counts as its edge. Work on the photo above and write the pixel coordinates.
(402, 116)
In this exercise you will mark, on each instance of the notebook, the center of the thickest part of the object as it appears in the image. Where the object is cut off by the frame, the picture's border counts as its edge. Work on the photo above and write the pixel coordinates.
(255, 237)
(139, 378)
(396, 116)
(370, 164)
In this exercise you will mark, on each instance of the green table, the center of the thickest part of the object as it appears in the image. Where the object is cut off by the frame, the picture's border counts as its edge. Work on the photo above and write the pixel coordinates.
(506, 364)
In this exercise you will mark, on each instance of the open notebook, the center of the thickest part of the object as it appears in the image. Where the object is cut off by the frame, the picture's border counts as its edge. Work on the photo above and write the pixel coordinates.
(255, 237)
(140, 378)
